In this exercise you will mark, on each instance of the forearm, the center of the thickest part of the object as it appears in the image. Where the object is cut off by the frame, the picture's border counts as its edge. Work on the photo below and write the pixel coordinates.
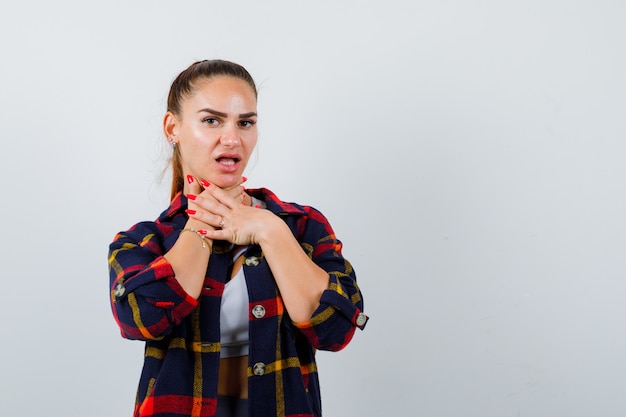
(189, 258)
(146, 298)
(300, 281)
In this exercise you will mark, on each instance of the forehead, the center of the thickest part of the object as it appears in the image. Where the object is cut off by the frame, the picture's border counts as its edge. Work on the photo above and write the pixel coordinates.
(222, 89)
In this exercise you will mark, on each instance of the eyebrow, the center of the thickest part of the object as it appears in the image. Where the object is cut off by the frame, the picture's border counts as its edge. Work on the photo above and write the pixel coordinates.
(222, 114)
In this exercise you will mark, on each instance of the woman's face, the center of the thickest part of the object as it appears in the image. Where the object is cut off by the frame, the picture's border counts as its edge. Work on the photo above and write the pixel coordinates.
(216, 131)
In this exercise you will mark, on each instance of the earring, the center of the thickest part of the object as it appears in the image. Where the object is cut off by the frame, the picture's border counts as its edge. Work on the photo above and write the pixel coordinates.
(171, 141)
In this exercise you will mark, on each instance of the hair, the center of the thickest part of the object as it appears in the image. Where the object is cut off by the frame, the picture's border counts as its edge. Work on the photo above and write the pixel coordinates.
(184, 85)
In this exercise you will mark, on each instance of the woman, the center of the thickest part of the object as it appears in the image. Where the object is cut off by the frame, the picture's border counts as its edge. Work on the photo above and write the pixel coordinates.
(232, 289)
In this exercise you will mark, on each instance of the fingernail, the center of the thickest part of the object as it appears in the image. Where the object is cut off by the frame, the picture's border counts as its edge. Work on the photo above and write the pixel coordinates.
(190, 211)
(244, 179)
(190, 179)
(257, 206)
(191, 196)
(205, 183)
(202, 231)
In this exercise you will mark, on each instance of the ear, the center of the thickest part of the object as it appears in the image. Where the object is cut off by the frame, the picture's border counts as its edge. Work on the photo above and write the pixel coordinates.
(170, 125)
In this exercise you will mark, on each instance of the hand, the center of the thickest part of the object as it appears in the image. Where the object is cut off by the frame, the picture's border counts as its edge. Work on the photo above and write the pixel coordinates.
(230, 220)
(193, 187)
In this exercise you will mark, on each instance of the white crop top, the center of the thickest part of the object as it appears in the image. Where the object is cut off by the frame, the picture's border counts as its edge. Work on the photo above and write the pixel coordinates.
(234, 315)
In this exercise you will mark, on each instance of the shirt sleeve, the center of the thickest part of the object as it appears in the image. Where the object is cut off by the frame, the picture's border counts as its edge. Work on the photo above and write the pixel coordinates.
(146, 298)
(340, 312)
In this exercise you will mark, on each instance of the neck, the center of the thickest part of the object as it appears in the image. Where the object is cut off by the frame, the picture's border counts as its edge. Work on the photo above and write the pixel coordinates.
(246, 199)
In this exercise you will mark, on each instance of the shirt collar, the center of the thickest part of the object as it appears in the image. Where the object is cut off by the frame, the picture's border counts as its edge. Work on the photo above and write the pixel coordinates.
(177, 205)
(274, 204)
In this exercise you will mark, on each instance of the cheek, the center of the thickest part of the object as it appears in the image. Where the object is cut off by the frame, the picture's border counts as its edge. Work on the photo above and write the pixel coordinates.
(250, 148)
(200, 139)
(251, 141)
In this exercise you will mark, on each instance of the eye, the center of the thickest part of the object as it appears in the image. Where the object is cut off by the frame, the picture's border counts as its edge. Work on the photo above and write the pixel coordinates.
(247, 123)
(210, 120)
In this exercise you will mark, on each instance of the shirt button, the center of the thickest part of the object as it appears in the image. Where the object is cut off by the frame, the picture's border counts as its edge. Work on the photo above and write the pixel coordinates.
(361, 319)
(119, 290)
(252, 261)
(258, 369)
(258, 311)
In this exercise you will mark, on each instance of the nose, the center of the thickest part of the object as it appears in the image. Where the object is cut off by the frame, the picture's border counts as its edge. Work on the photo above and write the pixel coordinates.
(230, 136)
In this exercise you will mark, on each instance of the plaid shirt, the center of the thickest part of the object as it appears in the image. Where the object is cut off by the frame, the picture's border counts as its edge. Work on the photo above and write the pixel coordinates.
(182, 334)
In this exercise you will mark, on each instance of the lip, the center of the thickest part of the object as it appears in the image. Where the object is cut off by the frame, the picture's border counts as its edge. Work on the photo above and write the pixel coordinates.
(229, 168)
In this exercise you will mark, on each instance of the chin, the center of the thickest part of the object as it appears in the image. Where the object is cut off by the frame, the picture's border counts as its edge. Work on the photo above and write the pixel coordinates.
(227, 181)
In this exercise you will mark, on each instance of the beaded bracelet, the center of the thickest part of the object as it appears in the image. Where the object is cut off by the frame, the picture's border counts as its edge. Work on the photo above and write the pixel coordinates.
(202, 238)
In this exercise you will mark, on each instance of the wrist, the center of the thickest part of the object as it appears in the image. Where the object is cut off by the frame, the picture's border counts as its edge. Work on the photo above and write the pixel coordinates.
(273, 228)
(206, 243)
(200, 229)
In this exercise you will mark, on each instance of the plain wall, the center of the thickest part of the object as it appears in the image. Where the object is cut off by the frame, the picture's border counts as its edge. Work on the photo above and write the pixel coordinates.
(469, 154)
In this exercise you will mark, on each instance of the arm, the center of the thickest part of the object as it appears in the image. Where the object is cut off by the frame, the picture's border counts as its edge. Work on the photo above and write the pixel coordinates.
(340, 307)
(146, 298)
(317, 285)
(301, 282)
(153, 290)
(189, 257)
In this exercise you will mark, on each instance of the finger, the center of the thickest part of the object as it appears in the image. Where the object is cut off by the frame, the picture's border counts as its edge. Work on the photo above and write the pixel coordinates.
(205, 216)
(206, 208)
(224, 196)
(193, 186)
(206, 201)
(218, 234)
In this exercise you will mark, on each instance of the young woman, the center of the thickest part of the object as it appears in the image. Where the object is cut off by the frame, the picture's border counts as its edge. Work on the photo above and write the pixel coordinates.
(232, 289)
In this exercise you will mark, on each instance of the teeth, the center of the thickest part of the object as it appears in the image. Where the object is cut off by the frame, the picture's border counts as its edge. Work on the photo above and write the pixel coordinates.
(227, 162)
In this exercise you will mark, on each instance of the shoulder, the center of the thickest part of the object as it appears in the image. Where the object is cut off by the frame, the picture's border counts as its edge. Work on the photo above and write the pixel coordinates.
(285, 208)
(167, 222)
(275, 204)
(302, 219)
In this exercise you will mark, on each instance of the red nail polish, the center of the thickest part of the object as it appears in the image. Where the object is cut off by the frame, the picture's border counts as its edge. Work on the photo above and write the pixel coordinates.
(190, 179)
(257, 206)
(205, 183)
(190, 211)
(191, 196)
(202, 231)
(244, 179)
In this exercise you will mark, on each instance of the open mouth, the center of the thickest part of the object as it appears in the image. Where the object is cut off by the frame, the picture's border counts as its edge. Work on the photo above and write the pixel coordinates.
(227, 161)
